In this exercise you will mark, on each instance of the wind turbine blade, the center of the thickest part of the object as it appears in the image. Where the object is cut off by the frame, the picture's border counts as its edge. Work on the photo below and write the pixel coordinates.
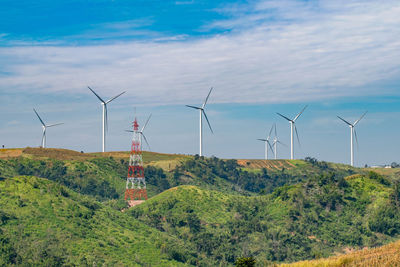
(297, 135)
(301, 112)
(96, 94)
(115, 97)
(56, 124)
(193, 107)
(264, 140)
(129, 131)
(281, 143)
(146, 123)
(270, 131)
(355, 135)
(355, 123)
(39, 118)
(209, 125)
(284, 116)
(275, 129)
(269, 144)
(205, 102)
(345, 121)
(144, 137)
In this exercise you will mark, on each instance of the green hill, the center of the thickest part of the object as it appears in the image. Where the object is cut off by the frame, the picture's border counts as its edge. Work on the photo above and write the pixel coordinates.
(43, 223)
(201, 211)
(308, 220)
(103, 175)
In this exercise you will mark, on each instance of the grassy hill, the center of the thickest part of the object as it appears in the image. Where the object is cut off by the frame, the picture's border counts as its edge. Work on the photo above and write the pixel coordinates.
(388, 255)
(308, 220)
(104, 174)
(201, 211)
(43, 223)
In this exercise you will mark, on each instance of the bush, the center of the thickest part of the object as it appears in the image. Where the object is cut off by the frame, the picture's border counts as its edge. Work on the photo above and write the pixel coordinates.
(245, 262)
(386, 220)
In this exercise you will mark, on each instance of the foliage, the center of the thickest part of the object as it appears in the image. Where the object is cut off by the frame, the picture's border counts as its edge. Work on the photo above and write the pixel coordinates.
(46, 224)
(202, 211)
(308, 220)
(245, 262)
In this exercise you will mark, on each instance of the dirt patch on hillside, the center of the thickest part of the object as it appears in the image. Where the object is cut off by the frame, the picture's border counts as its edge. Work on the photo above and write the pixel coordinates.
(56, 153)
(133, 203)
(10, 153)
(114, 154)
(268, 164)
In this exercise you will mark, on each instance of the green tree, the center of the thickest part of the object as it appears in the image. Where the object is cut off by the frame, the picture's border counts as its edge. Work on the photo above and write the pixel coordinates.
(245, 262)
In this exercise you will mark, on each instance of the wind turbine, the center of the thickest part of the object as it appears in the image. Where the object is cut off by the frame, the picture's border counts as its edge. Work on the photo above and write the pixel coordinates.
(352, 133)
(105, 116)
(142, 134)
(293, 128)
(44, 126)
(275, 144)
(267, 143)
(201, 110)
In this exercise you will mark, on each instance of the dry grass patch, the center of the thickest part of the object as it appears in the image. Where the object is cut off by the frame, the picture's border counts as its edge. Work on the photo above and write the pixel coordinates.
(277, 164)
(388, 255)
(10, 153)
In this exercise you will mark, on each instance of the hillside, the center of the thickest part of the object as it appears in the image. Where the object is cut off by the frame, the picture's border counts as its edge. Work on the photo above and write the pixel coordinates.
(201, 211)
(104, 174)
(43, 223)
(309, 220)
(388, 255)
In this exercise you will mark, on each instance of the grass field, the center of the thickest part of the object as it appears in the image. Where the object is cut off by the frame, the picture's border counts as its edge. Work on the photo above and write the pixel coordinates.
(388, 255)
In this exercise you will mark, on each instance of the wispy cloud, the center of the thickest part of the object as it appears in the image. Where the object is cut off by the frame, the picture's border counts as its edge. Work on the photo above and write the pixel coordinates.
(184, 2)
(276, 51)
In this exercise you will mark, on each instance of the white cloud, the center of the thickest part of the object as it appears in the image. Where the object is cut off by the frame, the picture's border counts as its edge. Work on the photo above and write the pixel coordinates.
(305, 53)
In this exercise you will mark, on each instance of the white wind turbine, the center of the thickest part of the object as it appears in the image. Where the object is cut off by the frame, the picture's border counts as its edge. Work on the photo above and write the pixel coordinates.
(292, 129)
(201, 110)
(275, 144)
(142, 134)
(105, 116)
(44, 126)
(267, 143)
(352, 133)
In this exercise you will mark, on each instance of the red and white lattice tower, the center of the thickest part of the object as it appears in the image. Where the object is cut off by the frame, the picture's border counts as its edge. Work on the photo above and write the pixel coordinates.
(136, 183)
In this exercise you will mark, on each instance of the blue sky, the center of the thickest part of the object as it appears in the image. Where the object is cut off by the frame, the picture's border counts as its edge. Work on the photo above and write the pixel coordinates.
(262, 57)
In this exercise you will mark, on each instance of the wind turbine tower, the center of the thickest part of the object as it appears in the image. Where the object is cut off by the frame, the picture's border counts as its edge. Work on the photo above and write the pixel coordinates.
(44, 127)
(292, 129)
(353, 134)
(105, 115)
(267, 143)
(202, 112)
(275, 144)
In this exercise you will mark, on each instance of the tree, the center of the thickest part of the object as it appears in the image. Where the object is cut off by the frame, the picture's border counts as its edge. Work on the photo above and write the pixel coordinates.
(245, 262)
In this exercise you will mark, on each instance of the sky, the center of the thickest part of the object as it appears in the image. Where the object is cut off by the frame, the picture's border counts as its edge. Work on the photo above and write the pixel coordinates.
(341, 58)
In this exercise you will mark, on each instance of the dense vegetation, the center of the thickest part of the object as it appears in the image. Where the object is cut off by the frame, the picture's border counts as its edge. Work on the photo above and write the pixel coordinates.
(202, 211)
(45, 224)
(229, 176)
(104, 177)
(308, 220)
